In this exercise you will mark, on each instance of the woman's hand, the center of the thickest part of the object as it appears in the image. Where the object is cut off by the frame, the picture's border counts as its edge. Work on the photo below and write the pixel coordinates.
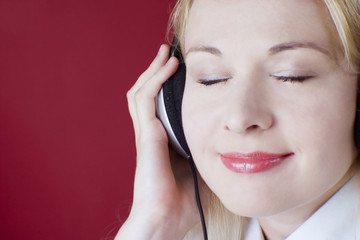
(164, 203)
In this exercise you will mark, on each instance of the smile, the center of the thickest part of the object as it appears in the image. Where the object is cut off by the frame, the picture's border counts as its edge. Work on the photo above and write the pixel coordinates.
(253, 162)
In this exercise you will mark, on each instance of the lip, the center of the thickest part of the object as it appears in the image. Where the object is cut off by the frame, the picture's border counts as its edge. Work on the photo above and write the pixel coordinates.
(254, 162)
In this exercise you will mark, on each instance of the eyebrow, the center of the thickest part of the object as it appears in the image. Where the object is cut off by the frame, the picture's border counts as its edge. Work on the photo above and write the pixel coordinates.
(212, 50)
(273, 50)
(294, 45)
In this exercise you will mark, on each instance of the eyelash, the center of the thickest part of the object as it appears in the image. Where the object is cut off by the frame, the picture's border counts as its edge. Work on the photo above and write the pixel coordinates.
(209, 82)
(292, 79)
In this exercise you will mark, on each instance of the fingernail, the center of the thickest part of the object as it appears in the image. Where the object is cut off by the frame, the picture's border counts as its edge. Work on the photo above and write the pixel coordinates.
(169, 61)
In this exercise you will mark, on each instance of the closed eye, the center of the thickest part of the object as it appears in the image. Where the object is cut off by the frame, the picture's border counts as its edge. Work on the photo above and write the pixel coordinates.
(292, 79)
(208, 82)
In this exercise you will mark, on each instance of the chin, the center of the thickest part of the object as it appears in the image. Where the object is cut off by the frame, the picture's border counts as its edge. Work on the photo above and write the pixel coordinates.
(253, 206)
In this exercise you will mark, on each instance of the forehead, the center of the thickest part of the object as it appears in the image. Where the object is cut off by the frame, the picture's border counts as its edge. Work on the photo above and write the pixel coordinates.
(237, 22)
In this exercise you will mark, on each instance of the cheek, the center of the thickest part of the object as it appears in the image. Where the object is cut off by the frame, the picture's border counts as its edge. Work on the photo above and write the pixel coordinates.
(320, 129)
(198, 122)
(327, 119)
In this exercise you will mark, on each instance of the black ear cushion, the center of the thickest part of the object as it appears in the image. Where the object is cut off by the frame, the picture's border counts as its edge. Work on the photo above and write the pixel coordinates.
(173, 90)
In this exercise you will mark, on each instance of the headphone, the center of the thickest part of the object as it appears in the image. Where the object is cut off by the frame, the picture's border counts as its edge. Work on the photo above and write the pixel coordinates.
(168, 108)
(169, 103)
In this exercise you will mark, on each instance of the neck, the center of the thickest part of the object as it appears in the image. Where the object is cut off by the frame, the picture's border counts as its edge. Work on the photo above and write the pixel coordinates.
(280, 226)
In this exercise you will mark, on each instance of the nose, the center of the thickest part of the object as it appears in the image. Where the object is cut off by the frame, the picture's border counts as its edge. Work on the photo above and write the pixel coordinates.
(248, 109)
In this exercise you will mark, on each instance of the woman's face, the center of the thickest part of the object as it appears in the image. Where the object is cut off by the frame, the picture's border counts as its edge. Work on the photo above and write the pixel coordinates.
(268, 107)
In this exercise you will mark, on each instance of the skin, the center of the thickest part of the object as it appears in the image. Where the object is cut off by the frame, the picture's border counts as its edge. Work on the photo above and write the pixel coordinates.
(238, 98)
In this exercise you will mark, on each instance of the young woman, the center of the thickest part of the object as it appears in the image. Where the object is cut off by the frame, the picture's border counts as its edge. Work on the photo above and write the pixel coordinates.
(269, 110)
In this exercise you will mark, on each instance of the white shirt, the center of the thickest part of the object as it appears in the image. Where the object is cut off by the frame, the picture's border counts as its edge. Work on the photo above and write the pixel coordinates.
(337, 219)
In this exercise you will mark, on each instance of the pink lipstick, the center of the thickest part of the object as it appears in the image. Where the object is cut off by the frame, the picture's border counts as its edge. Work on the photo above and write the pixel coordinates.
(253, 162)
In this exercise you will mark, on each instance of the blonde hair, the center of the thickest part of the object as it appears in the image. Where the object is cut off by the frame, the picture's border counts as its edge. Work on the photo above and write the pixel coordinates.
(345, 14)
(346, 18)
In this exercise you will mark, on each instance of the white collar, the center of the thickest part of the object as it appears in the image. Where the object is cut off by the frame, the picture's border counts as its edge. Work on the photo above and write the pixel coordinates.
(336, 219)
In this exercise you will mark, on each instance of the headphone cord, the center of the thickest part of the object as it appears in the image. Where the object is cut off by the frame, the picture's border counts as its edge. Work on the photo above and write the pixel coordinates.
(197, 196)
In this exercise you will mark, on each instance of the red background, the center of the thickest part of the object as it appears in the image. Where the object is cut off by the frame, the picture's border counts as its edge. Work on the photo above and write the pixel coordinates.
(67, 154)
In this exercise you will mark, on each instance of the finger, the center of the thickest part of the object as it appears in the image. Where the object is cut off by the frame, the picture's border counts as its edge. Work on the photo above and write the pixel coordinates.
(159, 61)
(145, 96)
(142, 102)
(132, 110)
